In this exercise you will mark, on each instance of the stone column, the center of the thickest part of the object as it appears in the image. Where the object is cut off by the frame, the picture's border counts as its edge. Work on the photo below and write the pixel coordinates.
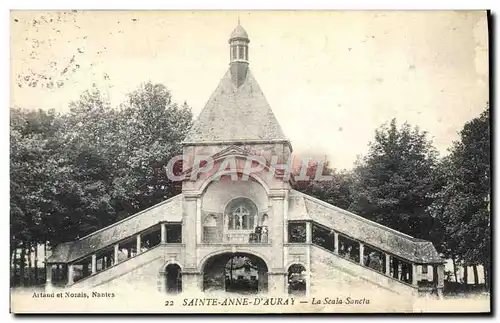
(199, 228)
(277, 282)
(189, 232)
(276, 231)
(308, 232)
(161, 284)
(94, 264)
(70, 274)
(163, 227)
(48, 275)
(414, 274)
(116, 260)
(262, 280)
(308, 269)
(387, 264)
(440, 280)
(285, 219)
(361, 254)
(335, 242)
(138, 244)
(191, 282)
(285, 256)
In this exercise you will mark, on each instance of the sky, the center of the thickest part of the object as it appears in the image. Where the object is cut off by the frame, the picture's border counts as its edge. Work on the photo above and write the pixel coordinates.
(331, 77)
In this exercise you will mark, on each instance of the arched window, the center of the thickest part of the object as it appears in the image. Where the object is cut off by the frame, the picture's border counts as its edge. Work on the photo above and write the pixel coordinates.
(296, 280)
(241, 215)
(173, 279)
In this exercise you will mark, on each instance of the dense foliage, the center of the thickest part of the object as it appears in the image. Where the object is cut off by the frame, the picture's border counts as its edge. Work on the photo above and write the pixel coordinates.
(77, 172)
(394, 182)
(402, 184)
(463, 202)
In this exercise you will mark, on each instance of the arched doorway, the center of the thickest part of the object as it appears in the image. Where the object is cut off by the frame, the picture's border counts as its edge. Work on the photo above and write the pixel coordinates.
(173, 279)
(296, 280)
(241, 273)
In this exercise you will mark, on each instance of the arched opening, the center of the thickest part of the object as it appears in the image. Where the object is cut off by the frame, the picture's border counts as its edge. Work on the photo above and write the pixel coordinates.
(297, 280)
(173, 279)
(241, 273)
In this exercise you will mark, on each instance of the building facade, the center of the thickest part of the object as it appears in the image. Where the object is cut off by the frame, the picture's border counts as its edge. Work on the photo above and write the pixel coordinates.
(243, 206)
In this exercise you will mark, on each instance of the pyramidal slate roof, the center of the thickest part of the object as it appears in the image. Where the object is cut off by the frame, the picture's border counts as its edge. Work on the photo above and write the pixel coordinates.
(235, 114)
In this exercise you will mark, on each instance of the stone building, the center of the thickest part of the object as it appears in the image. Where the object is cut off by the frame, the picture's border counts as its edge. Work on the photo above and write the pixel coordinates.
(185, 243)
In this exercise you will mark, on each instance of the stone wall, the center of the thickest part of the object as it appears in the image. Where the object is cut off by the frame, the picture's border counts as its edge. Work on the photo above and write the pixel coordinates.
(219, 193)
(338, 275)
(142, 272)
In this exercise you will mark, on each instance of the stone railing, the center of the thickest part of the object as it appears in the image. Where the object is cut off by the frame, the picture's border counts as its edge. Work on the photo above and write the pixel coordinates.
(258, 235)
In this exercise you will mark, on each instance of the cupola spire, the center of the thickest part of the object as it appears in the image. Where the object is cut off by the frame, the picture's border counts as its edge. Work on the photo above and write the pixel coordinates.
(238, 55)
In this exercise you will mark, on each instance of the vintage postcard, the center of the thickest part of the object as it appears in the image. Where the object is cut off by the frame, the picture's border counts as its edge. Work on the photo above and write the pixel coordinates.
(250, 162)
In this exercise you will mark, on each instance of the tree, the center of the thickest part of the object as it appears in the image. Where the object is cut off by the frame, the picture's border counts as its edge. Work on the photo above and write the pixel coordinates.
(74, 173)
(394, 184)
(115, 157)
(463, 203)
(32, 150)
(151, 130)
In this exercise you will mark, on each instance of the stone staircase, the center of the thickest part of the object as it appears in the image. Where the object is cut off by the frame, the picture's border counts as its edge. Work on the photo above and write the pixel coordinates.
(330, 271)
